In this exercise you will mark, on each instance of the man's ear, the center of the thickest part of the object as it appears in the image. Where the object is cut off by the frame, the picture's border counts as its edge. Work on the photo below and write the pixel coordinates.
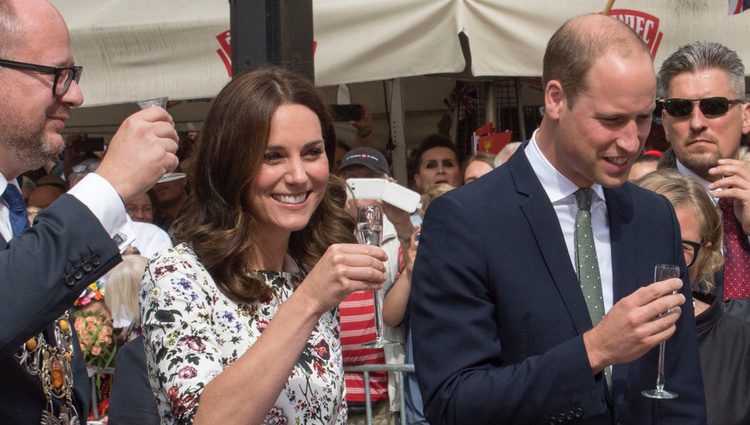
(554, 99)
(745, 118)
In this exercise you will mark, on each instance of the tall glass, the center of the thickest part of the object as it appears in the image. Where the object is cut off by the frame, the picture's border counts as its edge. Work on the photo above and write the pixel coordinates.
(369, 232)
(661, 272)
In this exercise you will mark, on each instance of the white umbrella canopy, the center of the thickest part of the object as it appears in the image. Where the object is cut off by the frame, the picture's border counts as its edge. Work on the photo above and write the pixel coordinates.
(140, 49)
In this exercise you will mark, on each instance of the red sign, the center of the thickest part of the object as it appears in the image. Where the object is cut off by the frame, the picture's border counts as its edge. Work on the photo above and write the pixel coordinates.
(225, 53)
(645, 25)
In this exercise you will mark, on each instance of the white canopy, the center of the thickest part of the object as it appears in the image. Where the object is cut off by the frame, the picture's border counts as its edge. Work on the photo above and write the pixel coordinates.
(140, 49)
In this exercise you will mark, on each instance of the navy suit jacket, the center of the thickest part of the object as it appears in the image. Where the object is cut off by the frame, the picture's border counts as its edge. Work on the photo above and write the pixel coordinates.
(41, 273)
(498, 314)
(132, 401)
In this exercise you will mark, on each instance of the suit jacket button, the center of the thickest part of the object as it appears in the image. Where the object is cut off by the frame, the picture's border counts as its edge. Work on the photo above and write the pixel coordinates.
(78, 274)
(96, 259)
(69, 280)
(569, 415)
(87, 267)
(578, 412)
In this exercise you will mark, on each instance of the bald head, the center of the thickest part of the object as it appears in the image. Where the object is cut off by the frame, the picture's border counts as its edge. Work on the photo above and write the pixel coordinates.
(579, 42)
(16, 17)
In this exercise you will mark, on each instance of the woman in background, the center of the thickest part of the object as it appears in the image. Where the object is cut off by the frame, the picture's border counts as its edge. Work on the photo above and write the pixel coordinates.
(723, 340)
(240, 319)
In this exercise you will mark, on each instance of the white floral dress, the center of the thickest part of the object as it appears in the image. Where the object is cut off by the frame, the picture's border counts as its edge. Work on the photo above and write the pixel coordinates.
(193, 331)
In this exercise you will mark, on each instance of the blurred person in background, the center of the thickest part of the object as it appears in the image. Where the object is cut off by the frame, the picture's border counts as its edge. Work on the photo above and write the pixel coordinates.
(506, 152)
(171, 195)
(357, 310)
(647, 162)
(396, 304)
(142, 208)
(478, 165)
(435, 160)
(723, 340)
(48, 189)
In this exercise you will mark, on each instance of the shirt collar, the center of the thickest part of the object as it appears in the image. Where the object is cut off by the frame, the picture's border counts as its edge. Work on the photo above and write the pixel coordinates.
(686, 172)
(558, 187)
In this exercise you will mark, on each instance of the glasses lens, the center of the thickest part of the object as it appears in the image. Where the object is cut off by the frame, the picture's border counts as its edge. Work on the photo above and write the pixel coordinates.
(64, 77)
(678, 107)
(690, 249)
(714, 105)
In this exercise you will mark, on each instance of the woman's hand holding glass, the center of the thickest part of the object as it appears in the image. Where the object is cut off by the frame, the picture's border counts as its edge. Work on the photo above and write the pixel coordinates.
(343, 269)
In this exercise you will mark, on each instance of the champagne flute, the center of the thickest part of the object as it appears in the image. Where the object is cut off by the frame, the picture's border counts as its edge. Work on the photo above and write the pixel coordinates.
(369, 231)
(662, 272)
(162, 103)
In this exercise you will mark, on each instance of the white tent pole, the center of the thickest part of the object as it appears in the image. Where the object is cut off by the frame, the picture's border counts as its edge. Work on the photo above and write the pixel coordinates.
(490, 107)
(398, 155)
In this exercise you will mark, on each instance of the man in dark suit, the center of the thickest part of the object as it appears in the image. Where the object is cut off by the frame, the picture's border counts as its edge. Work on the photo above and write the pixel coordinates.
(503, 333)
(132, 401)
(75, 240)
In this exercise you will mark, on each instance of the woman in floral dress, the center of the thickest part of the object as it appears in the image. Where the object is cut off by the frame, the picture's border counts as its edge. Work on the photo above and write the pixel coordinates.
(240, 318)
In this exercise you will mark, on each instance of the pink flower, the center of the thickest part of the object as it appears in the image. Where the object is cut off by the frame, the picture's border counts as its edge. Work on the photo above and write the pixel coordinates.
(91, 328)
(194, 343)
(96, 350)
(187, 372)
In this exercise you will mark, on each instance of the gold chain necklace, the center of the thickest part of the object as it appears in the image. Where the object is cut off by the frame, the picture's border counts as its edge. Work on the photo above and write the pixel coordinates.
(51, 363)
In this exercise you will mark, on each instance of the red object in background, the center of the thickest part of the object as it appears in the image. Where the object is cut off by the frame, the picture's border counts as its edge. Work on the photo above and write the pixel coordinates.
(485, 140)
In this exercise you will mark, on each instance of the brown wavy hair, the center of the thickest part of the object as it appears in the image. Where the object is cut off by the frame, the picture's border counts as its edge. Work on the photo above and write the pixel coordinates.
(216, 222)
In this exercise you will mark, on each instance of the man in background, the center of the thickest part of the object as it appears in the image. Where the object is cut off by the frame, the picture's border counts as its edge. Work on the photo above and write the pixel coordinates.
(705, 116)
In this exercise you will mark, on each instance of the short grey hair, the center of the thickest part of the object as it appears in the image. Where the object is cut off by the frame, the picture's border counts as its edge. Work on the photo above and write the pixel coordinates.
(702, 55)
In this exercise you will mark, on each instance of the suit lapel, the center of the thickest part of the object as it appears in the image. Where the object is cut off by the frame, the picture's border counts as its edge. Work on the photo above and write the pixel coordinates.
(549, 238)
(622, 240)
(3, 242)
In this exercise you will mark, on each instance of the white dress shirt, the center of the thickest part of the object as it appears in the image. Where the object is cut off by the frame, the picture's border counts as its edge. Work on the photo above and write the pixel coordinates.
(561, 193)
(97, 195)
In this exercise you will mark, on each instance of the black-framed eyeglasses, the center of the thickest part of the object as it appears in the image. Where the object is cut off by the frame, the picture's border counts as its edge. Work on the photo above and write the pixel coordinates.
(709, 106)
(690, 250)
(64, 75)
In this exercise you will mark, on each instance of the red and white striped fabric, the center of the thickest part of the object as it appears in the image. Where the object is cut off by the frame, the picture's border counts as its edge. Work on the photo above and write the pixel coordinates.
(358, 327)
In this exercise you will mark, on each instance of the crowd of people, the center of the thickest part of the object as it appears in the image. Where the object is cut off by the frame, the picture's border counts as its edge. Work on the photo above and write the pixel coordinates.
(224, 267)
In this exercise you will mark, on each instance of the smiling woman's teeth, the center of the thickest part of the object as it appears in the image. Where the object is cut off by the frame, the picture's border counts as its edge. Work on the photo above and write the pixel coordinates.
(289, 199)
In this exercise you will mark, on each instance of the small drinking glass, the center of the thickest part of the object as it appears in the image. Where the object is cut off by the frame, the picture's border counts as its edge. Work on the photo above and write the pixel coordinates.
(662, 272)
(369, 232)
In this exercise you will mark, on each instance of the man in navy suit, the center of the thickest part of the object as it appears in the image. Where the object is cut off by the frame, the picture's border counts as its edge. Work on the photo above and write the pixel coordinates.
(73, 241)
(503, 333)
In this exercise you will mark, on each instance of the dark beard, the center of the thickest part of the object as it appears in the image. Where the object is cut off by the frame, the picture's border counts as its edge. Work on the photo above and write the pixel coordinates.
(700, 164)
(33, 149)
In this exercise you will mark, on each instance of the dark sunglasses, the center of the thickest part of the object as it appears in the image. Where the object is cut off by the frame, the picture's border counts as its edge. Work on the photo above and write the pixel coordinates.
(710, 106)
(63, 75)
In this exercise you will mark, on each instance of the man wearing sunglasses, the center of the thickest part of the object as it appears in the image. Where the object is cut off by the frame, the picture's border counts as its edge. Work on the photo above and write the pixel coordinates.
(705, 116)
(75, 240)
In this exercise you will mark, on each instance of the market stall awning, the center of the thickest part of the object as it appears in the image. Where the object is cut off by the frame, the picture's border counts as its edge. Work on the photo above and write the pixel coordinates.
(139, 49)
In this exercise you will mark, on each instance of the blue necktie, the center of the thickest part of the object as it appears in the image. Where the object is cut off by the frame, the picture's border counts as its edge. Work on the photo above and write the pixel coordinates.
(19, 220)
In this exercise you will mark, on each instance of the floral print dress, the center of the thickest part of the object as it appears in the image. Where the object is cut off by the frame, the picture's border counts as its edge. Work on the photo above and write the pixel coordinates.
(193, 332)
